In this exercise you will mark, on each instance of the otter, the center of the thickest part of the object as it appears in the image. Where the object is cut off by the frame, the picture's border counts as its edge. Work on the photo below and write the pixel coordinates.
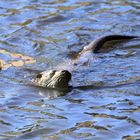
(59, 79)
(53, 79)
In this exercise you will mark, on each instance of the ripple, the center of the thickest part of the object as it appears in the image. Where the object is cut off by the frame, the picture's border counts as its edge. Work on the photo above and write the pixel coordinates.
(52, 32)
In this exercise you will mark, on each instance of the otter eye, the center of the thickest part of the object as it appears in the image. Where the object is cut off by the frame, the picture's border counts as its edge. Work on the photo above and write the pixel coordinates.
(39, 76)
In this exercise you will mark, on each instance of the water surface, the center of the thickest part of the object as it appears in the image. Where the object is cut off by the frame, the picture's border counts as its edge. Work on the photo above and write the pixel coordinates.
(39, 35)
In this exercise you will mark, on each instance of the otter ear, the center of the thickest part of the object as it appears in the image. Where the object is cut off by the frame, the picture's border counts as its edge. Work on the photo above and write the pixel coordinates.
(39, 75)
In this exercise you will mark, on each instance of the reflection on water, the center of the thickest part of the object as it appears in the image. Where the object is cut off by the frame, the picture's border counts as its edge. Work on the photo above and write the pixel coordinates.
(51, 32)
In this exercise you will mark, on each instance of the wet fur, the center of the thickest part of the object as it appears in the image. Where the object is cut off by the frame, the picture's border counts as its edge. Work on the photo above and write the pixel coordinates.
(59, 81)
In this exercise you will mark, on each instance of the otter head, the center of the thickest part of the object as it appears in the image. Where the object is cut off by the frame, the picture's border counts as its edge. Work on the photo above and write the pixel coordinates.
(53, 79)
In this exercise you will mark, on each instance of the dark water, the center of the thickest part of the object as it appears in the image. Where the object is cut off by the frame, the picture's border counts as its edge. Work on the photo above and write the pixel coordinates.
(49, 32)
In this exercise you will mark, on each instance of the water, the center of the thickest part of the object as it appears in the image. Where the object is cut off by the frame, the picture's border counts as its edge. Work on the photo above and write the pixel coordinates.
(47, 33)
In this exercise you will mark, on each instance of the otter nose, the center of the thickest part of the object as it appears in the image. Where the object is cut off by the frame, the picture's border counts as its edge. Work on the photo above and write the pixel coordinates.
(66, 71)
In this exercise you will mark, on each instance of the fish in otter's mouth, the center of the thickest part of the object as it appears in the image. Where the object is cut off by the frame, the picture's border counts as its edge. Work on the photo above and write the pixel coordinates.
(53, 79)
